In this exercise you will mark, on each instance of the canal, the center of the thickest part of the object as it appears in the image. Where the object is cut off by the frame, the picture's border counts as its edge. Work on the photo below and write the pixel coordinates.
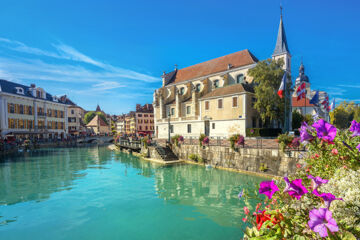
(94, 193)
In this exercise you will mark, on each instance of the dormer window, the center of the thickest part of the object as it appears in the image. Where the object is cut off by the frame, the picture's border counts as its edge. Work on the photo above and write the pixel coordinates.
(216, 83)
(55, 99)
(19, 90)
(198, 87)
(182, 91)
(240, 78)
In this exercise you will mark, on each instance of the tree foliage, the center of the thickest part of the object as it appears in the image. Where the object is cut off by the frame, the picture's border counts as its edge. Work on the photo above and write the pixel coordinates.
(267, 78)
(297, 119)
(344, 113)
(90, 115)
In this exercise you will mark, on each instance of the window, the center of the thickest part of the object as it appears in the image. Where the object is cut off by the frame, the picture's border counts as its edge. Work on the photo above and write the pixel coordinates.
(140, 128)
(61, 114)
(19, 90)
(216, 83)
(234, 101)
(151, 115)
(72, 111)
(21, 107)
(197, 87)
(49, 113)
(171, 128)
(207, 105)
(146, 127)
(11, 107)
(188, 110)
(172, 111)
(145, 115)
(140, 115)
(189, 128)
(240, 78)
(213, 125)
(182, 91)
(220, 103)
(30, 110)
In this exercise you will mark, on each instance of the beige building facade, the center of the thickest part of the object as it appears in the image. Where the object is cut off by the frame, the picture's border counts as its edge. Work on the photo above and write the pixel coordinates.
(31, 112)
(214, 98)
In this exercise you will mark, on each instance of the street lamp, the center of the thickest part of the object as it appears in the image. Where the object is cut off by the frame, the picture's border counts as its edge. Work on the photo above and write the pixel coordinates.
(169, 127)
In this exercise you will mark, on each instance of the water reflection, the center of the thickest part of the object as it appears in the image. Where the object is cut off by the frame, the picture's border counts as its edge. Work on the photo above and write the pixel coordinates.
(213, 192)
(38, 174)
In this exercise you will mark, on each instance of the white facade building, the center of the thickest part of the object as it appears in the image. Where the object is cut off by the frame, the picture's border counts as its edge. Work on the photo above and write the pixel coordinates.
(31, 112)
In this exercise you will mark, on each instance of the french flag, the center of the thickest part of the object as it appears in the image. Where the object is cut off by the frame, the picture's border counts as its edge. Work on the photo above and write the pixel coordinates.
(301, 91)
(282, 86)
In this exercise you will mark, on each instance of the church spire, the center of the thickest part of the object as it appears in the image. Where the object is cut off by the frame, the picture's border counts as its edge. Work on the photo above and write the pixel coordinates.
(281, 46)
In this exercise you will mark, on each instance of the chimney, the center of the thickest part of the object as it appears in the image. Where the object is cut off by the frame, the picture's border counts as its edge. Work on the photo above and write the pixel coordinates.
(229, 66)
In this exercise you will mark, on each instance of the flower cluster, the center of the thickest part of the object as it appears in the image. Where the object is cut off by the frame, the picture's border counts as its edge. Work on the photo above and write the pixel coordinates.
(322, 199)
(236, 141)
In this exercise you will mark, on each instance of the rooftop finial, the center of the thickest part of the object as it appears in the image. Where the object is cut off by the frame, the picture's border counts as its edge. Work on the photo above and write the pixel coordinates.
(176, 66)
(281, 8)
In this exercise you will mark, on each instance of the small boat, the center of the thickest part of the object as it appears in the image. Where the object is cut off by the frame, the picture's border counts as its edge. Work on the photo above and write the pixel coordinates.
(208, 166)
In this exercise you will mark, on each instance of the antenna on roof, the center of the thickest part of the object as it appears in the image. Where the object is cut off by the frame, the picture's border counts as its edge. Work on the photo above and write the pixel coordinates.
(281, 9)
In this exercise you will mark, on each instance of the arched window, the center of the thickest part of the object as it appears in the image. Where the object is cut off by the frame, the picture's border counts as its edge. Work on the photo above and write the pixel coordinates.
(240, 78)
(216, 83)
(197, 87)
(182, 91)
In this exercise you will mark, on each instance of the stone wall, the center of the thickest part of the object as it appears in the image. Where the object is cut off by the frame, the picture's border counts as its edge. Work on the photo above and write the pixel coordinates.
(267, 161)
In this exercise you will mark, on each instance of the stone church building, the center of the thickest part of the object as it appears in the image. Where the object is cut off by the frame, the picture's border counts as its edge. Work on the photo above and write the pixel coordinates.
(215, 97)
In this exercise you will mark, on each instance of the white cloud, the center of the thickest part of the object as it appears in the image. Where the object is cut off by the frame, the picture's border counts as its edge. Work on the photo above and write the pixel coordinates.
(349, 85)
(37, 69)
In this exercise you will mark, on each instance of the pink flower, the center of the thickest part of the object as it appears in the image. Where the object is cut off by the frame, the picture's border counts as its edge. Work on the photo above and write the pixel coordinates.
(268, 188)
(358, 147)
(325, 131)
(244, 219)
(321, 221)
(246, 210)
(317, 181)
(295, 188)
(335, 151)
(298, 165)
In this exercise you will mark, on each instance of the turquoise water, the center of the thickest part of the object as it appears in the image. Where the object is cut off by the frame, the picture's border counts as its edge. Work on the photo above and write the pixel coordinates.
(93, 193)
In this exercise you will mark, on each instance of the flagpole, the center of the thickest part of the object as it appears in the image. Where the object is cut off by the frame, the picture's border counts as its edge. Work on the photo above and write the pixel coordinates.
(305, 100)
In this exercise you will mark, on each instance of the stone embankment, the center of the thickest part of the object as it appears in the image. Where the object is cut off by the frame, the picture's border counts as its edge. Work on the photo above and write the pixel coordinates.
(265, 161)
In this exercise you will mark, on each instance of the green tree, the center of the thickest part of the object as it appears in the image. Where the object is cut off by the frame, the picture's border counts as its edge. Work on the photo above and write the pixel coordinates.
(267, 78)
(90, 115)
(297, 119)
(343, 114)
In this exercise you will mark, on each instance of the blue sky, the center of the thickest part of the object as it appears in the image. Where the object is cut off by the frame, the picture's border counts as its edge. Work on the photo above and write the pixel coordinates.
(113, 53)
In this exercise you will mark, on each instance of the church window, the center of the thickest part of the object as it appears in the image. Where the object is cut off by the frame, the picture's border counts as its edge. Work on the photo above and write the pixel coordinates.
(207, 105)
(220, 103)
(240, 78)
(234, 101)
(197, 87)
(188, 109)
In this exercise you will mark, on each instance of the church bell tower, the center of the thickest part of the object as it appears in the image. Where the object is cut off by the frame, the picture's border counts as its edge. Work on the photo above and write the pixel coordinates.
(281, 47)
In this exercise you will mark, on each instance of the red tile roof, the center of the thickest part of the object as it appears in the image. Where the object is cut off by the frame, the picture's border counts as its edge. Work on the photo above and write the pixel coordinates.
(301, 102)
(237, 59)
(228, 90)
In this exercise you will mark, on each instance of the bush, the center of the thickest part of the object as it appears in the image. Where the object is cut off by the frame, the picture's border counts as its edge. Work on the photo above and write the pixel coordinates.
(285, 140)
(203, 140)
(263, 132)
(194, 157)
(236, 140)
(175, 139)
